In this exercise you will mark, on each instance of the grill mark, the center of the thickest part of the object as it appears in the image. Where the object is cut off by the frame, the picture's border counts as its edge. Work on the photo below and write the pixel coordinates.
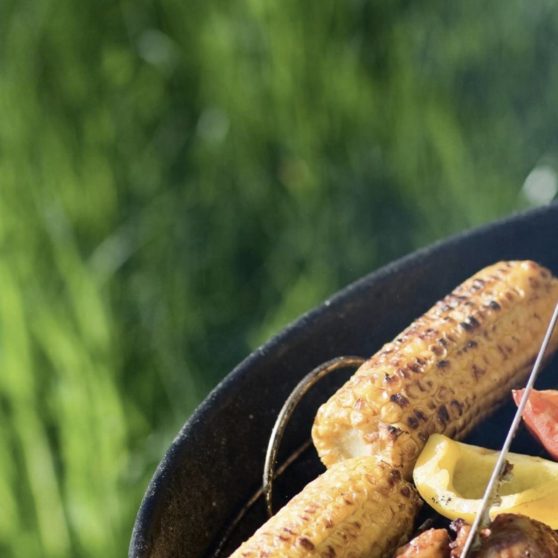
(413, 422)
(394, 477)
(394, 432)
(443, 414)
(400, 399)
(470, 324)
(458, 406)
(306, 543)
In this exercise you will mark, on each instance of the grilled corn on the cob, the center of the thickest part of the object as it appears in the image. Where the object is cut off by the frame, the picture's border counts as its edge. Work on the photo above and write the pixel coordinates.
(359, 508)
(446, 372)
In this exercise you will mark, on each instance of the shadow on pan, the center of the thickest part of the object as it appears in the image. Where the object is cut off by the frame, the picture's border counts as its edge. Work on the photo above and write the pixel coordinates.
(215, 463)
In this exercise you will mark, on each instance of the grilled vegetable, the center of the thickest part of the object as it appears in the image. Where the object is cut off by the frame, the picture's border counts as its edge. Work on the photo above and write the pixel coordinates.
(446, 372)
(452, 476)
(358, 508)
(541, 417)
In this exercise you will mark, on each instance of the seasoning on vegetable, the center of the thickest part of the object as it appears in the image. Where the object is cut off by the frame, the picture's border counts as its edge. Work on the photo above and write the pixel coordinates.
(451, 477)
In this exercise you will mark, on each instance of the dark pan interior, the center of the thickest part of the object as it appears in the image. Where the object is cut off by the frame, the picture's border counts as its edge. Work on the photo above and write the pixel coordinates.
(215, 463)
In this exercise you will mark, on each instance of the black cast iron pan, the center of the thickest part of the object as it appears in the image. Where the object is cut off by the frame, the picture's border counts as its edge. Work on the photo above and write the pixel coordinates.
(215, 463)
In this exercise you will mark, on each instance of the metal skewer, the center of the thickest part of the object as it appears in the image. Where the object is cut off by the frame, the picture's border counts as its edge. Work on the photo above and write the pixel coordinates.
(491, 493)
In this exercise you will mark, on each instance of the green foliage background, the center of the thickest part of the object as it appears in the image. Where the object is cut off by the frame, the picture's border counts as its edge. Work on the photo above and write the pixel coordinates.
(178, 180)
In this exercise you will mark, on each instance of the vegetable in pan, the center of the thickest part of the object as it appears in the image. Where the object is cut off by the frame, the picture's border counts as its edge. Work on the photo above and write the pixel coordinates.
(444, 374)
(541, 417)
(359, 507)
(451, 477)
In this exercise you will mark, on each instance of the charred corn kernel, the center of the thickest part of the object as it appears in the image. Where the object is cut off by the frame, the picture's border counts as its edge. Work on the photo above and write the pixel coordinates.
(452, 477)
(446, 372)
(358, 508)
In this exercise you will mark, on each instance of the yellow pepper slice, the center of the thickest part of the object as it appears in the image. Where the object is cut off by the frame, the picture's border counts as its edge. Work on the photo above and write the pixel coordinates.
(451, 477)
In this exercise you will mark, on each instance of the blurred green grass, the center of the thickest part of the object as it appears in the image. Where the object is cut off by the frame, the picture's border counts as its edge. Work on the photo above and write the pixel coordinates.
(180, 180)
